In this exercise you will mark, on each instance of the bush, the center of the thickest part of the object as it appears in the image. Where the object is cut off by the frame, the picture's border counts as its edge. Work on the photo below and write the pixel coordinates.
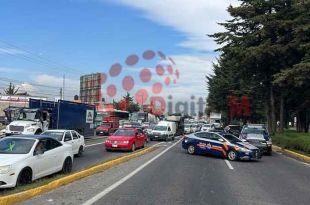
(293, 140)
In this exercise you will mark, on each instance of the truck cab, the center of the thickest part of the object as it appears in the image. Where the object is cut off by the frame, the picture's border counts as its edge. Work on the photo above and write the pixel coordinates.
(29, 121)
(109, 125)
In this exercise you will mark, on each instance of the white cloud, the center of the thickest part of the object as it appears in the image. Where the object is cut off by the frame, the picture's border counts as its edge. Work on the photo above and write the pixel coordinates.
(11, 51)
(194, 18)
(72, 86)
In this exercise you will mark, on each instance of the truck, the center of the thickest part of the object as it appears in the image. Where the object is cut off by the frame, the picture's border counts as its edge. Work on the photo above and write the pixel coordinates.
(144, 117)
(109, 125)
(164, 130)
(42, 115)
(179, 120)
(215, 119)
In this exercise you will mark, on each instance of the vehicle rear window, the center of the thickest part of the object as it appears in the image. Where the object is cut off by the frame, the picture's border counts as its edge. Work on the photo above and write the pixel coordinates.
(55, 135)
(15, 145)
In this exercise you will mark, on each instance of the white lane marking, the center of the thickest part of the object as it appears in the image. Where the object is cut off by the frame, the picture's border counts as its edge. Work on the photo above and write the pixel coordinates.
(124, 179)
(95, 144)
(228, 164)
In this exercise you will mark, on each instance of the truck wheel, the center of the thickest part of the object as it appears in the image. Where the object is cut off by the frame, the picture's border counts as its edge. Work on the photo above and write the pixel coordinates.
(167, 139)
(172, 137)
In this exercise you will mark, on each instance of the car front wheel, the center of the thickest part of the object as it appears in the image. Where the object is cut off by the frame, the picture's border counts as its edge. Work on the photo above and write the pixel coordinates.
(24, 177)
(191, 149)
(67, 166)
(232, 155)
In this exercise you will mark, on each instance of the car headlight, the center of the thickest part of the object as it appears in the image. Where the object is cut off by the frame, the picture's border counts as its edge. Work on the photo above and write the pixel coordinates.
(244, 149)
(5, 169)
(30, 129)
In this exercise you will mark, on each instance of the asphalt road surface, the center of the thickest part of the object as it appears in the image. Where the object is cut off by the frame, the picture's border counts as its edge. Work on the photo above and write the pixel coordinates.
(171, 176)
(95, 153)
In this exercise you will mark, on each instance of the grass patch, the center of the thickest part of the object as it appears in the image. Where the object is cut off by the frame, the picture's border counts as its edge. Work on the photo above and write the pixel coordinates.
(293, 140)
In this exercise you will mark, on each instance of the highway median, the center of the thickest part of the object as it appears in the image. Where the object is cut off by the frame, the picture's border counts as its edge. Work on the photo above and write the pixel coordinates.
(24, 195)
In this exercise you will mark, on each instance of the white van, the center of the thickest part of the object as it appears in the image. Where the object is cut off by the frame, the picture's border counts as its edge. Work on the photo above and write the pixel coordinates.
(164, 130)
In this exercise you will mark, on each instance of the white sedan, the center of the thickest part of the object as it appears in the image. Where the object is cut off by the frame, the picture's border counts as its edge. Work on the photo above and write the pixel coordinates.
(24, 159)
(70, 137)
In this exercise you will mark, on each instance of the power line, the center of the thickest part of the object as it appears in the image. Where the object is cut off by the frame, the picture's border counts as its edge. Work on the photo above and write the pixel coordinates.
(35, 84)
(42, 60)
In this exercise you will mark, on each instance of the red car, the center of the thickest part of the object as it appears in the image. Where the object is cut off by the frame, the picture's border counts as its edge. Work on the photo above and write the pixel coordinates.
(126, 139)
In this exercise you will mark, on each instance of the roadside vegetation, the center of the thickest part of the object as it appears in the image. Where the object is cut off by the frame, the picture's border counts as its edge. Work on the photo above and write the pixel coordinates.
(264, 64)
(293, 140)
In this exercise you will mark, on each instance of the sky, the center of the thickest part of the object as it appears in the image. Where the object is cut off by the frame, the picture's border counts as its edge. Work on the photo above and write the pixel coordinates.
(42, 41)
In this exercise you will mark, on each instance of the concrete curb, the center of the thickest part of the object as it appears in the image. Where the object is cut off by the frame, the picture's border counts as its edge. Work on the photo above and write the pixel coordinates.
(22, 196)
(291, 153)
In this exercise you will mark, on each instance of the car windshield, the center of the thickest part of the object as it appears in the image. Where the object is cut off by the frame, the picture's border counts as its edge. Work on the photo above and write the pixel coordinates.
(15, 145)
(160, 128)
(231, 138)
(124, 133)
(55, 135)
(207, 126)
(106, 125)
(29, 115)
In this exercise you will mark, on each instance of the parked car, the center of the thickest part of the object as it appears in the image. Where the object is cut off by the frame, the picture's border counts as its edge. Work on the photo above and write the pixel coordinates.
(126, 139)
(220, 144)
(258, 137)
(69, 137)
(24, 159)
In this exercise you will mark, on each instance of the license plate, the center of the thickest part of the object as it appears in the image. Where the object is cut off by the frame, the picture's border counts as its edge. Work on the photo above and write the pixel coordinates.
(114, 145)
(101, 132)
(156, 136)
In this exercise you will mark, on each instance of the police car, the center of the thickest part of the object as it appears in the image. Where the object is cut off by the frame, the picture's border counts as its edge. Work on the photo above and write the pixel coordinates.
(220, 144)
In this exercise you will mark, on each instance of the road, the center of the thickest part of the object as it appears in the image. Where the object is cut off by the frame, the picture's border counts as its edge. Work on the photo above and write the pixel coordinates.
(95, 153)
(171, 176)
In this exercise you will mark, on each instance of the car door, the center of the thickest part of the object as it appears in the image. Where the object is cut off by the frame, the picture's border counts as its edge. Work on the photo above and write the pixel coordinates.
(217, 145)
(76, 142)
(45, 163)
(68, 139)
(141, 138)
(202, 143)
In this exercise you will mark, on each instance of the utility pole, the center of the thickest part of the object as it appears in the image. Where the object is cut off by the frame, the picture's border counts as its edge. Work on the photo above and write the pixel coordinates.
(60, 93)
(63, 86)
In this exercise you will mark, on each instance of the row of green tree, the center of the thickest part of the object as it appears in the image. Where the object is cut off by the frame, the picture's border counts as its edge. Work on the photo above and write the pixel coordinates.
(126, 103)
(265, 55)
